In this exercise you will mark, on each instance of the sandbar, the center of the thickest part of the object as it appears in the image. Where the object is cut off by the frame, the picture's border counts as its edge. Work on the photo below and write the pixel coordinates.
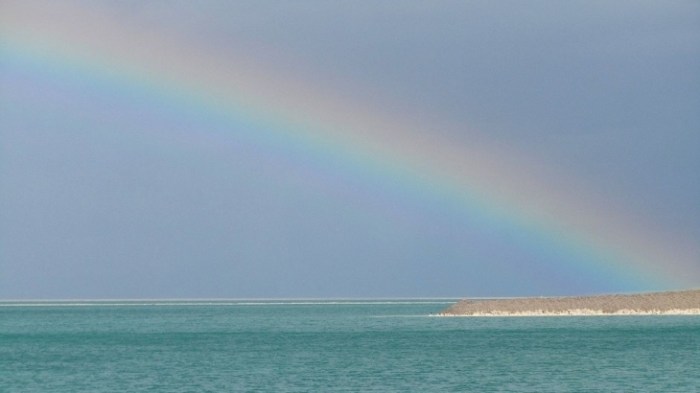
(652, 303)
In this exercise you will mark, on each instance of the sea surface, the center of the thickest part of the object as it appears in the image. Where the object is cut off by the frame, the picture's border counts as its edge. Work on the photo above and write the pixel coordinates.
(343, 346)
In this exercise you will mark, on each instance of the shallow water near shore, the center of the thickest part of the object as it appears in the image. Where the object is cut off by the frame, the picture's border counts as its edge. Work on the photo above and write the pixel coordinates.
(371, 346)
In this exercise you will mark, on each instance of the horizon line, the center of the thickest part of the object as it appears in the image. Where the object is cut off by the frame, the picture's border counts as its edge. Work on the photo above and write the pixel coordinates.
(312, 299)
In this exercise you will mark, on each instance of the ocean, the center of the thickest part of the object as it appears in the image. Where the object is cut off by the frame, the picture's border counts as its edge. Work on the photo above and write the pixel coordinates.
(335, 346)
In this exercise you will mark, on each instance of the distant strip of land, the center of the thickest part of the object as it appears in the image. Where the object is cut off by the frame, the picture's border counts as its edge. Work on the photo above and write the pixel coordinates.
(654, 303)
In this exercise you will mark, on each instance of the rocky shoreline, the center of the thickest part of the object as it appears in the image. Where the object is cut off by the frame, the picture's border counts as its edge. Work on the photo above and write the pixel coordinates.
(654, 303)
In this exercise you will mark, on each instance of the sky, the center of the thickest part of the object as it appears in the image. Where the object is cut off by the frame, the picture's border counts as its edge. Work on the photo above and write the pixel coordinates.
(317, 149)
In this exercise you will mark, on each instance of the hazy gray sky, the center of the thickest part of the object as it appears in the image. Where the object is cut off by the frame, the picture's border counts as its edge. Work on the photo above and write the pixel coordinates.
(105, 192)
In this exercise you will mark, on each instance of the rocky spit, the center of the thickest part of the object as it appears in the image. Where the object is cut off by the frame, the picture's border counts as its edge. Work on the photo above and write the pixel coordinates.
(654, 303)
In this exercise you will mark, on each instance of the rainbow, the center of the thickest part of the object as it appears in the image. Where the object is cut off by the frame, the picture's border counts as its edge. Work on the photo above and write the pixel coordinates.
(484, 182)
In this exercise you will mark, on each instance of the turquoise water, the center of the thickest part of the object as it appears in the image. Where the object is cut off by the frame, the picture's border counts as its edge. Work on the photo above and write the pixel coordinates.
(351, 346)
